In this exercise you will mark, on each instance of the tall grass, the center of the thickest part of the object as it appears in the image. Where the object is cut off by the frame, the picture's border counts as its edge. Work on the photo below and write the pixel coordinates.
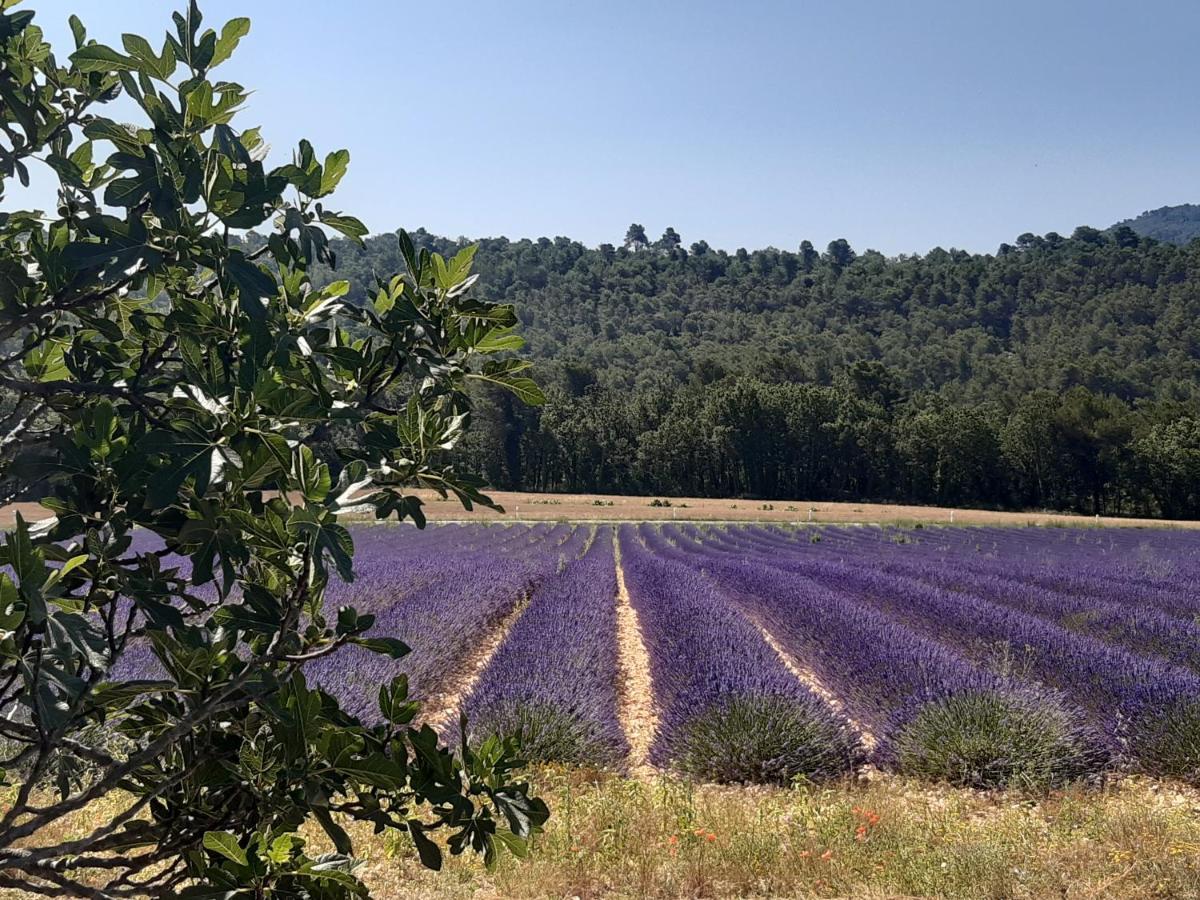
(891, 836)
(884, 837)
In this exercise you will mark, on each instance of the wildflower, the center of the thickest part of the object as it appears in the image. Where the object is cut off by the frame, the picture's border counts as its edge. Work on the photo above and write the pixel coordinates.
(699, 832)
(710, 837)
(827, 855)
(805, 854)
(673, 839)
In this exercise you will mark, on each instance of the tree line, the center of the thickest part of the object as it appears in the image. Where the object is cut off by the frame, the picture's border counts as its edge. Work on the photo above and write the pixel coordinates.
(1058, 372)
(744, 437)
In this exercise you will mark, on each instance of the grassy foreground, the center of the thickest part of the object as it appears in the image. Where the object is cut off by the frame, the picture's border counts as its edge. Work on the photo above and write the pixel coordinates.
(882, 838)
(886, 837)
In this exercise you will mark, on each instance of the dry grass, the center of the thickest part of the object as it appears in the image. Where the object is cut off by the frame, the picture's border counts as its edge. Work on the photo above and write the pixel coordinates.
(887, 837)
(527, 507)
(583, 508)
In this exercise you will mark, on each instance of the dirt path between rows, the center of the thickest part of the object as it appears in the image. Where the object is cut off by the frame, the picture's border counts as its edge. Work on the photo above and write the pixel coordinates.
(810, 680)
(638, 714)
(443, 707)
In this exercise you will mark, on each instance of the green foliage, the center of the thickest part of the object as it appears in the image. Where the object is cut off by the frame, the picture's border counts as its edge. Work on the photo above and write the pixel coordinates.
(1170, 452)
(994, 741)
(162, 376)
(766, 739)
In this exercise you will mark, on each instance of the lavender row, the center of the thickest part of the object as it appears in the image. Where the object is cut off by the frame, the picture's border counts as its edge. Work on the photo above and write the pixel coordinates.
(899, 683)
(553, 682)
(1134, 585)
(1133, 697)
(876, 666)
(728, 708)
(1139, 627)
(443, 621)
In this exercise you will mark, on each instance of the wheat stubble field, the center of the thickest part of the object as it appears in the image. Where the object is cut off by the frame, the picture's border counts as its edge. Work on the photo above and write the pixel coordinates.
(540, 507)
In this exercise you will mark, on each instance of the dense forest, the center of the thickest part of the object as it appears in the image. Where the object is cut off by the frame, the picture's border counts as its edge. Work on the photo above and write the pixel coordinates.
(1059, 372)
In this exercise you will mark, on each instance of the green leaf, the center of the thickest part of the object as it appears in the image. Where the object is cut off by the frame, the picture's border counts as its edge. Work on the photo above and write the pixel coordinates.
(254, 285)
(525, 815)
(328, 536)
(337, 834)
(429, 852)
(394, 703)
(77, 30)
(246, 618)
(226, 845)
(119, 694)
(130, 191)
(335, 167)
(65, 569)
(99, 58)
(347, 225)
(525, 389)
(139, 48)
(385, 646)
(47, 362)
(375, 770)
(500, 339)
(349, 885)
(460, 265)
(409, 252)
(126, 139)
(81, 156)
(280, 850)
(312, 476)
(231, 34)
(27, 562)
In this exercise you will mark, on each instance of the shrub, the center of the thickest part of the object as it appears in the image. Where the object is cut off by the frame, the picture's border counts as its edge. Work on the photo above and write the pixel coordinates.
(993, 740)
(548, 733)
(1167, 742)
(766, 739)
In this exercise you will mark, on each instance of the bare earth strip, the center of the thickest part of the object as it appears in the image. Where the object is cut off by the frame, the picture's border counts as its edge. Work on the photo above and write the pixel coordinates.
(441, 709)
(638, 714)
(810, 680)
(521, 506)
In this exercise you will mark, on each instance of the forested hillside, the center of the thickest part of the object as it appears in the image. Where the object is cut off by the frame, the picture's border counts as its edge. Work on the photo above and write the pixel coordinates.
(1177, 224)
(1057, 372)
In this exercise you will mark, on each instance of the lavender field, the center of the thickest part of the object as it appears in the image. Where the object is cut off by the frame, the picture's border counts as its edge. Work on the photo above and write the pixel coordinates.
(978, 656)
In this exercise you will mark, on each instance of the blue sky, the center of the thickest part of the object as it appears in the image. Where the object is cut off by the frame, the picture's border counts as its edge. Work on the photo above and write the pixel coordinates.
(900, 126)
